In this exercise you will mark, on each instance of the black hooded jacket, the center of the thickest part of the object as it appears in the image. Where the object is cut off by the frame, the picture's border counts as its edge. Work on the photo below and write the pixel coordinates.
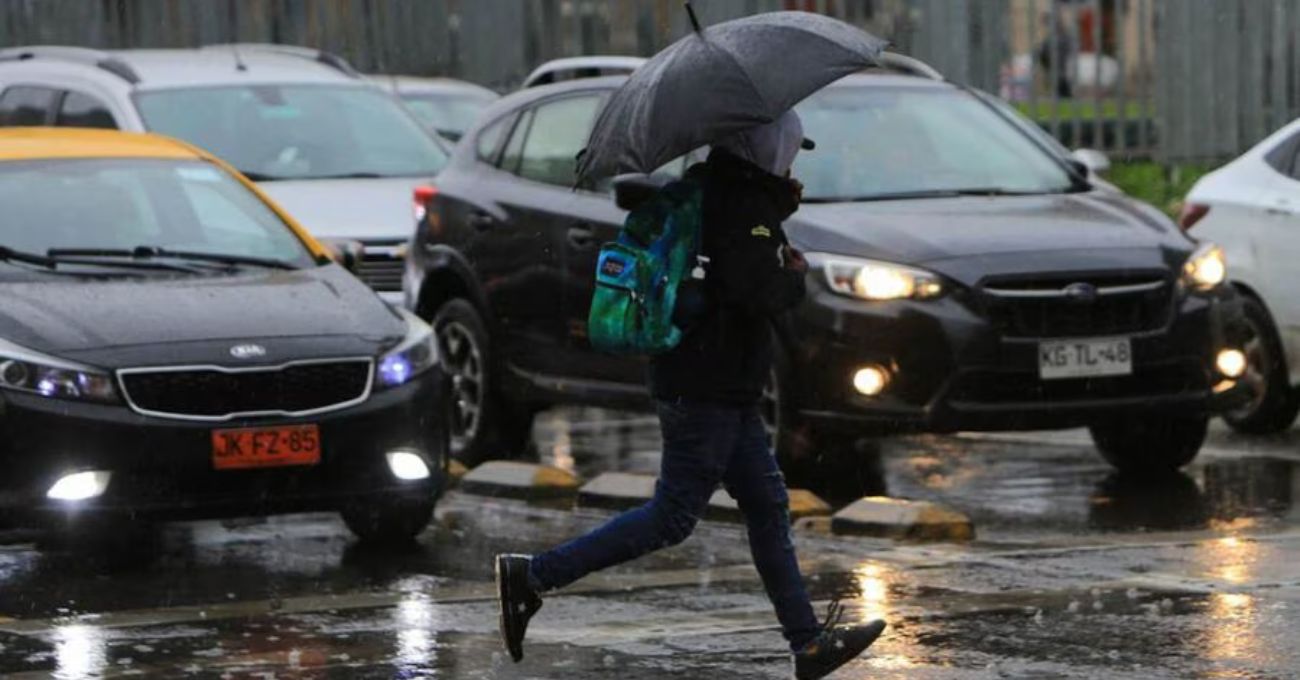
(726, 353)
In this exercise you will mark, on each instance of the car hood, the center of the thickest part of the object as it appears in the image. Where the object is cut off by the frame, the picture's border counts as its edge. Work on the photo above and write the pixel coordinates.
(361, 209)
(947, 235)
(293, 314)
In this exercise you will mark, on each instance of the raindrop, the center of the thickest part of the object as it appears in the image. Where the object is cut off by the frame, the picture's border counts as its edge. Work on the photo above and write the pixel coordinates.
(1074, 607)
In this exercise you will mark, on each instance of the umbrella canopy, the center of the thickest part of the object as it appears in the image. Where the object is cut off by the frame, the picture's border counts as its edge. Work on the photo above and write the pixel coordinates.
(717, 81)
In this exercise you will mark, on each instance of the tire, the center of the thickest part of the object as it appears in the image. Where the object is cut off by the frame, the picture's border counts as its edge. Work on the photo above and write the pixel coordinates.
(1150, 445)
(384, 521)
(1276, 403)
(483, 425)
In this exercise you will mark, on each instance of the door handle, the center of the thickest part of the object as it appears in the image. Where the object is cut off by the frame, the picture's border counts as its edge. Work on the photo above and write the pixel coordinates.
(581, 237)
(480, 220)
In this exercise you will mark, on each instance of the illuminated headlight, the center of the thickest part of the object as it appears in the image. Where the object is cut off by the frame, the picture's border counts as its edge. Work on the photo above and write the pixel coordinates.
(417, 353)
(25, 370)
(80, 486)
(876, 280)
(1206, 268)
(407, 466)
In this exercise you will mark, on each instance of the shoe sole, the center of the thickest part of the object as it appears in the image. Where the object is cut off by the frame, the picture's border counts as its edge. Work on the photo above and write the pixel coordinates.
(879, 631)
(503, 608)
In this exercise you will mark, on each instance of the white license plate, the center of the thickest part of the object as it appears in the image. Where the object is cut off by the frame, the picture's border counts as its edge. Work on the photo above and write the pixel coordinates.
(1084, 358)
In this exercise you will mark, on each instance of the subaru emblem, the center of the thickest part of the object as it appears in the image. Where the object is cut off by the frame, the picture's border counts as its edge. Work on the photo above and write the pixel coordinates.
(247, 351)
(1082, 293)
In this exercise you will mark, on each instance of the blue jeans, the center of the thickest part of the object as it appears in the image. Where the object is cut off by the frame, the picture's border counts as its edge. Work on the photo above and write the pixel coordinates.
(705, 445)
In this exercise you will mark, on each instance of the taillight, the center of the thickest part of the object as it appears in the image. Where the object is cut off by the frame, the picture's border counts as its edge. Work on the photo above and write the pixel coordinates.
(422, 196)
(1191, 214)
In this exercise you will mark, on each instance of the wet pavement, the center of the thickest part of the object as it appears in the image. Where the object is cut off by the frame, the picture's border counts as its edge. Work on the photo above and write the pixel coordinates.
(1076, 573)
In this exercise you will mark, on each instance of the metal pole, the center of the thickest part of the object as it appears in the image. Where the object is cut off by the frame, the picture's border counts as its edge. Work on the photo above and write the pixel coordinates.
(1032, 6)
(1121, 83)
(1054, 67)
(1099, 44)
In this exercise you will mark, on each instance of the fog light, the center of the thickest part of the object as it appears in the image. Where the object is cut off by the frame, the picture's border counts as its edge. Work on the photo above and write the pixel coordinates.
(407, 466)
(870, 380)
(80, 486)
(1231, 363)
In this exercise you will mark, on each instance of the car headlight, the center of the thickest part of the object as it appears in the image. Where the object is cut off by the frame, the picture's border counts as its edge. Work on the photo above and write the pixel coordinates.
(876, 280)
(415, 354)
(25, 370)
(1206, 268)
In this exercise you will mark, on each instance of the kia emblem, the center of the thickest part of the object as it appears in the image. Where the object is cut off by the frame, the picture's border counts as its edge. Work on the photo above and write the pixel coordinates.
(247, 351)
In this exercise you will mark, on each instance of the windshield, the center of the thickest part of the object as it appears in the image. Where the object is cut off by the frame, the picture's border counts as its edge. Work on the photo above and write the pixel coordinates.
(297, 131)
(128, 203)
(879, 141)
(447, 112)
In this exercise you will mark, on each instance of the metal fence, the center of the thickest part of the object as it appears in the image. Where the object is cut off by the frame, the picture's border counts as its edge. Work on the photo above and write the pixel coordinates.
(1172, 79)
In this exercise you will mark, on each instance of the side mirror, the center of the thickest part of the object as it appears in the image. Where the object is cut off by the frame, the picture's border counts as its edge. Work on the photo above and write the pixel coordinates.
(347, 254)
(1096, 162)
(633, 190)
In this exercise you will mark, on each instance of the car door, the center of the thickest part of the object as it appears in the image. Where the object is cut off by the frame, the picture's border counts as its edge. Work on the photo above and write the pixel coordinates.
(520, 253)
(1278, 243)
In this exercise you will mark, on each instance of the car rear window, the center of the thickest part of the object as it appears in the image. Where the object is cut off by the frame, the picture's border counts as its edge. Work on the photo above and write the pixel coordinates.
(298, 131)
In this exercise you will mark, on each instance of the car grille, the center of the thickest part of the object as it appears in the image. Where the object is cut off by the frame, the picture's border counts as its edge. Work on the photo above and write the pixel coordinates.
(212, 394)
(1004, 387)
(1046, 308)
(381, 267)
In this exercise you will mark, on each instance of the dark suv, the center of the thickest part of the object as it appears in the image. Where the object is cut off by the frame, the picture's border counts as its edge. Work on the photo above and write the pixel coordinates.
(965, 276)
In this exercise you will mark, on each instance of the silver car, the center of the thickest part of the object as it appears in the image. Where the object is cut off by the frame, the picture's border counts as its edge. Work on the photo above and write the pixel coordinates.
(338, 152)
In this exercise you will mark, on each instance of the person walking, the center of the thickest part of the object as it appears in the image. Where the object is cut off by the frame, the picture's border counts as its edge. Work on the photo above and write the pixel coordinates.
(707, 391)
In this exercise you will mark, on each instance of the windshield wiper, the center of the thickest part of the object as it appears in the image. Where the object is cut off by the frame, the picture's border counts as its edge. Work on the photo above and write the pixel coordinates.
(54, 258)
(262, 177)
(148, 253)
(930, 193)
(8, 254)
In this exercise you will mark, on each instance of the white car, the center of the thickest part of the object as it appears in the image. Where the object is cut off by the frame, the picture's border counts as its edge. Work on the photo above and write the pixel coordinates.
(338, 152)
(1251, 207)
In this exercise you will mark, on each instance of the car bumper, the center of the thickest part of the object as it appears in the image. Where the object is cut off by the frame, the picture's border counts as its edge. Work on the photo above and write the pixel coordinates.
(951, 369)
(162, 468)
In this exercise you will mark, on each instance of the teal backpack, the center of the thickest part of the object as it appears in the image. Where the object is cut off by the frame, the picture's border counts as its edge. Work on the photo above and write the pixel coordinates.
(638, 275)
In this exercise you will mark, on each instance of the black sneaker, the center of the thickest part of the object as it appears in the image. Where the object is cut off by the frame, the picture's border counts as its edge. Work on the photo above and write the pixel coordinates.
(834, 646)
(518, 602)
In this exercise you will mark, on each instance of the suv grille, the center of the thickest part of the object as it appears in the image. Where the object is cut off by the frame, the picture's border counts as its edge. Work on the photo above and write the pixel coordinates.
(211, 394)
(381, 267)
(1074, 307)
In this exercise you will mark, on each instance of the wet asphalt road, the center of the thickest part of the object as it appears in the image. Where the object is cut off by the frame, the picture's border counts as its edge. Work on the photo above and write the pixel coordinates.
(1076, 573)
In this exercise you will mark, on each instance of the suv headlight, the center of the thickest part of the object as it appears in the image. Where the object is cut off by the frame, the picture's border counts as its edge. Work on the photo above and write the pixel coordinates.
(415, 354)
(25, 370)
(876, 280)
(1206, 268)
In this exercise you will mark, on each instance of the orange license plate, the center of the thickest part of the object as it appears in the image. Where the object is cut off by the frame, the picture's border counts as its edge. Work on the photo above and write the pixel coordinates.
(261, 447)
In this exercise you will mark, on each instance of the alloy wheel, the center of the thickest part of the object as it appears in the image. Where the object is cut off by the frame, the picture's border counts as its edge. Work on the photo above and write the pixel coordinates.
(463, 361)
(1259, 362)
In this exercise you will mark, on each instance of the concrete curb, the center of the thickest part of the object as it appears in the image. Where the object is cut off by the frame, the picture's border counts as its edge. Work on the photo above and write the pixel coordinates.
(525, 481)
(882, 517)
(622, 491)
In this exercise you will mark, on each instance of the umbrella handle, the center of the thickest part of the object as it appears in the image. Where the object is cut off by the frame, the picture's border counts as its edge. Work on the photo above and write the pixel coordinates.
(695, 21)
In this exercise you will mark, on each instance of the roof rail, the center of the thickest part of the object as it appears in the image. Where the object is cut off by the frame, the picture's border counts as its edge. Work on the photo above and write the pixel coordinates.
(100, 59)
(329, 59)
(911, 66)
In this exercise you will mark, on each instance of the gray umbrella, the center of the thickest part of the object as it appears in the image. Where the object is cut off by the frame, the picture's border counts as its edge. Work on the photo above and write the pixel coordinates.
(717, 81)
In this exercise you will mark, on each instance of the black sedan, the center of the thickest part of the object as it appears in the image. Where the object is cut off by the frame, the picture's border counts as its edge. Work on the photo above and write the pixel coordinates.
(964, 277)
(173, 346)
